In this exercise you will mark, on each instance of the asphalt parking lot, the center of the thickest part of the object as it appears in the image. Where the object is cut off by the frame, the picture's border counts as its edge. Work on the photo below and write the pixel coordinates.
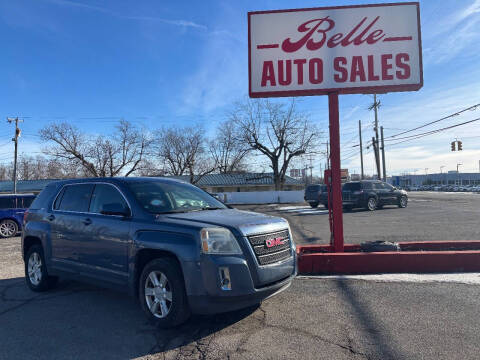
(429, 216)
(369, 317)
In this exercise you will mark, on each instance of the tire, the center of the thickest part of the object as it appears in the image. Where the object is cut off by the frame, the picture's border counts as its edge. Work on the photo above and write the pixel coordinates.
(402, 202)
(314, 205)
(8, 228)
(371, 204)
(167, 304)
(36, 274)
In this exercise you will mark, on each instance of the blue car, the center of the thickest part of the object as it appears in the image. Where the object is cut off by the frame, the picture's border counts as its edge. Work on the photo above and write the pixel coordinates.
(12, 208)
(172, 245)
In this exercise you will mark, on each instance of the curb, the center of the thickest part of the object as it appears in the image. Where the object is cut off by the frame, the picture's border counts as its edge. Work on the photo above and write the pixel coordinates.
(414, 257)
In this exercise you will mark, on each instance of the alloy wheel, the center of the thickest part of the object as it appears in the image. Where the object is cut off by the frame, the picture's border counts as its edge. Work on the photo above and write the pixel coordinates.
(35, 268)
(7, 228)
(158, 294)
(372, 204)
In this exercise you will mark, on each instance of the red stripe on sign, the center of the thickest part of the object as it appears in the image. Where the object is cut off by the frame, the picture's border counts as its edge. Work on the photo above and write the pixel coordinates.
(400, 38)
(270, 46)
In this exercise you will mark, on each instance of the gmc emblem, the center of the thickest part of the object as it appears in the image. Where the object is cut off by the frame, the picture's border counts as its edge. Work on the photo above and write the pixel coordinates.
(274, 242)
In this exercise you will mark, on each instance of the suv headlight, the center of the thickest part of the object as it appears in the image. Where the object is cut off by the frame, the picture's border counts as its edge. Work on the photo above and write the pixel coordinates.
(219, 241)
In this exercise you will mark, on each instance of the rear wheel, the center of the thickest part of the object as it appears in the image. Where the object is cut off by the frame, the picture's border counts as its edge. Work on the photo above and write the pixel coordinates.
(8, 228)
(403, 202)
(162, 293)
(314, 205)
(36, 274)
(372, 204)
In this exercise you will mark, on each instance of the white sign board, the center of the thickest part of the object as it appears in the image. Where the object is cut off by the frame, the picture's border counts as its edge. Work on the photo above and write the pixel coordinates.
(345, 49)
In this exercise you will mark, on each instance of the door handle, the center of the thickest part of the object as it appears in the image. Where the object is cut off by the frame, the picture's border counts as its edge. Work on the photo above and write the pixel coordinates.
(51, 217)
(87, 221)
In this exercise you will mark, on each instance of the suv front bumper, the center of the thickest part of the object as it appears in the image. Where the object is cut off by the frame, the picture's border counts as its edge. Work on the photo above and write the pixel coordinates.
(204, 285)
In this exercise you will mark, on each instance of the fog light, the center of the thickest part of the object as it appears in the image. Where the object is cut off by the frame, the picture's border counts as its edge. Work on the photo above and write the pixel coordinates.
(225, 283)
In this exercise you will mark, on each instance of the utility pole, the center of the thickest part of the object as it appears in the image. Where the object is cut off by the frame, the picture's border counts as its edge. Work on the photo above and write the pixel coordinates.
(383, 156)
(15, 139)
(311, 169)
(377, 160)
(328, 156)
(361, 148)
(375, 106)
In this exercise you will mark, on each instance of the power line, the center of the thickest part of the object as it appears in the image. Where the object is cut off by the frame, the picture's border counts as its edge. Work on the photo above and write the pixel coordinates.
(434, 131)
(473, 107)
(418, 136)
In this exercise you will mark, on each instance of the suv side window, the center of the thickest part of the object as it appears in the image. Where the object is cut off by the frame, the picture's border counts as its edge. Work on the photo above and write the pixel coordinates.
(75, 198)
(7, 203)
(387, 186)
(105, 194)
(378, 186)
(367, 186)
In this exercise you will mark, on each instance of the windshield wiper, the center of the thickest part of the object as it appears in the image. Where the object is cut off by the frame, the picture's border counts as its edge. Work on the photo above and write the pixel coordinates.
(188, 210)
(172, 212)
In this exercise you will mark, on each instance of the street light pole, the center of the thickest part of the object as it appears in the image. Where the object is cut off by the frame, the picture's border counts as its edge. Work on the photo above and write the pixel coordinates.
(458, 174)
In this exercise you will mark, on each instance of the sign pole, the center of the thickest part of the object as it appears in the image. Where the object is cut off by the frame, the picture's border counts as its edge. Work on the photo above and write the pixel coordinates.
(335, 168)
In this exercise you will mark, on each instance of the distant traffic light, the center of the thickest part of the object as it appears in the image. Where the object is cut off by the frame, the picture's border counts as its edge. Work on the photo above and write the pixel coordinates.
(453, 145)
(459, 145)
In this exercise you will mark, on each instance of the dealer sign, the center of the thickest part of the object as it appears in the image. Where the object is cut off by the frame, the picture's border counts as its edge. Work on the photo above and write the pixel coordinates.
(344, 49)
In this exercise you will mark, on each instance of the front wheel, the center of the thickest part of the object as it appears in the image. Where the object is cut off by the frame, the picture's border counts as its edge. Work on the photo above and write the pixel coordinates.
(162, 293)
(36, 274)
(372, 204)
(403, 202)
(8, 228)
(314, 205)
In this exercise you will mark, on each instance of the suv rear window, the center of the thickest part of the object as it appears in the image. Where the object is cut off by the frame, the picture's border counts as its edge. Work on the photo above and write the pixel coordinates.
(75, 198)
(352, 187)
(41, 201)
(313, 188)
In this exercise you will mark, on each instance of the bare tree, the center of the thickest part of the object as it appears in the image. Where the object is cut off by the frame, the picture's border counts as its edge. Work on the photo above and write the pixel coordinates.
(228, 150)
(120, 154)
(40, 167)
(183, 152)
(6, 172)
(278, 131)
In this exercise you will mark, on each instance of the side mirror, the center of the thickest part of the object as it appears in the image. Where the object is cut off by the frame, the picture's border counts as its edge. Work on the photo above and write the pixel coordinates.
(115, 209)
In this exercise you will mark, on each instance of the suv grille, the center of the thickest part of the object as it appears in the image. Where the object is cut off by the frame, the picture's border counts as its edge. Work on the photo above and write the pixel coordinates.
(269, 255)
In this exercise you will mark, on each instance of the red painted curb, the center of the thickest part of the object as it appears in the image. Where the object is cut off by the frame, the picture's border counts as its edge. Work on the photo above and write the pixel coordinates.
(415, 257)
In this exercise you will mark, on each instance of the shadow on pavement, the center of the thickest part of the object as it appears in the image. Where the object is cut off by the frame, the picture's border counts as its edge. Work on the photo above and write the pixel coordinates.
(76, 320)
(377, 335)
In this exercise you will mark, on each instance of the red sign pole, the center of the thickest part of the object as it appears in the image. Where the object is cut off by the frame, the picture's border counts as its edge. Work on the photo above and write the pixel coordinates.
(337, 227)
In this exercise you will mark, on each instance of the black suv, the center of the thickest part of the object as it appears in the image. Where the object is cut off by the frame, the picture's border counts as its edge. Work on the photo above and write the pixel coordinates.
(313, 194)
(370, 194)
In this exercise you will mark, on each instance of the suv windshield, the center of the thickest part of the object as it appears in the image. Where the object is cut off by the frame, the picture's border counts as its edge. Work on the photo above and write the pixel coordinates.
(159, 197)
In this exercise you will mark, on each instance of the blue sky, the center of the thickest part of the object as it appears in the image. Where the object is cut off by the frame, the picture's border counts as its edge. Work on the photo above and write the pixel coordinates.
(176, 62)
